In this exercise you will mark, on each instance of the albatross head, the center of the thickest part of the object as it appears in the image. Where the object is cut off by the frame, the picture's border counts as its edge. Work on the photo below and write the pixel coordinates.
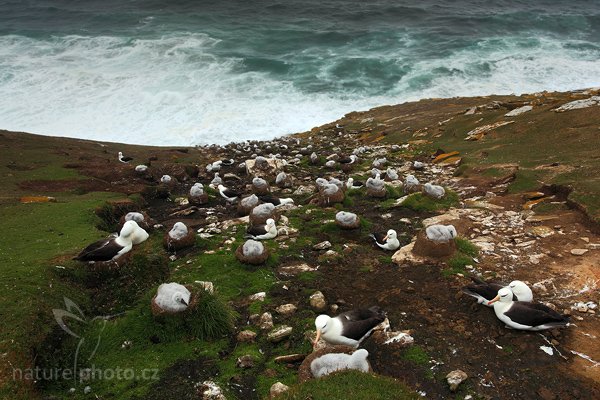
(505, 295)
(322, 325)
(520, 289)
(270, 222)
(391, 234)
(128, 228)
(178, 297)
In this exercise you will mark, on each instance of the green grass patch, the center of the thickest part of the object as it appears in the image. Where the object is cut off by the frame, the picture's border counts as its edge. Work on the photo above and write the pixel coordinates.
(466, 247)
(416, 355)
(526, 180)
(421, 203)
(362, 386)
(465, 252)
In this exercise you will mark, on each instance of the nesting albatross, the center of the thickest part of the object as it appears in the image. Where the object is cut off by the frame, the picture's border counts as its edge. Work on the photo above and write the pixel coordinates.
(526, 316)
(111, 248)
(262, 232)
(349, 328)
(484, 291)
(387, 241)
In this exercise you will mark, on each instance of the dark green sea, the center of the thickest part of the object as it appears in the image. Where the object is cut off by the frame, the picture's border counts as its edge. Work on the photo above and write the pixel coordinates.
(193, 72)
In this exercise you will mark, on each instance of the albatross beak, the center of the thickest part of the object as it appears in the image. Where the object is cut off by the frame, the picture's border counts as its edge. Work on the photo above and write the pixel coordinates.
(183, 302)
(317, 338)
(495, 299)
(385, 238)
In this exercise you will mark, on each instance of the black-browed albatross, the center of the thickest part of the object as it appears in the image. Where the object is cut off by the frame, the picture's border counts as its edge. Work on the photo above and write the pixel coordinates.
(349, 328)
(526, 316)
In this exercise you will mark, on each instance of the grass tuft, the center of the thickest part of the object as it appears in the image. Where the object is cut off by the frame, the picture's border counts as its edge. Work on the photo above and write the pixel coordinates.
(363, 386)
(421, 203)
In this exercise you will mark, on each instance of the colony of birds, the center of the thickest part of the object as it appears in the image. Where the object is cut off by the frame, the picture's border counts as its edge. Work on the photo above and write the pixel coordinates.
(269, 189)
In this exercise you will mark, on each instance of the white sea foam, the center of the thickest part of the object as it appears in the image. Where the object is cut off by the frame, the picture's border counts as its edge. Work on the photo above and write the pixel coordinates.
(176, 90)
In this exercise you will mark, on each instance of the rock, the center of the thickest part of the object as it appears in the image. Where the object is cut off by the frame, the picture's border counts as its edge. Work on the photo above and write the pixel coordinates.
(293, 270)
(479, 132)
(518, 111)
(443, 156)
(277, 389)
(404, 255)
(264, 166)
(266, 321)
(210, 391)
(260, 296)
(246, 336)
(579, 252)
(541, 231)
(322, 246)
(278, 334)
(317, 301)
(455, 378)
(577, 104)
(286, 310)
(245, 362)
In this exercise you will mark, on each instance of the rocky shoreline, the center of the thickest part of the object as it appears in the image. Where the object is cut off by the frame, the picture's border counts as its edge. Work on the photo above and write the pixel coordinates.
(524, 216)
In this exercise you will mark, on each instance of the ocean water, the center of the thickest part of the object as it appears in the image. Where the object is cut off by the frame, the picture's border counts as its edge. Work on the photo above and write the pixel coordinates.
(193, 72)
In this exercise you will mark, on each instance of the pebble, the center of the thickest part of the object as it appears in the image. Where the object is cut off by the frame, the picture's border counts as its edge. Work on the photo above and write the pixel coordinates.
(322, 246)
(266, 321)
(317, 301)
(286, 309)
(246, 336)
(277, 335)
(277, 389)
(579, 252)
(455, 378)
(260, 296)
(245, 362)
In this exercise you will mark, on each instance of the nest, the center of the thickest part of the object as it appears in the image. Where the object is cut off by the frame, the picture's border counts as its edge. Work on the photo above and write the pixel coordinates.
(304, 372)
(409, 189)
(177, 244)
(198, 200)
(147, 224)
(111, 265)
(345, 225)
(377, 193)
(328, 199)
(256, 219)
(254, 260)
(428, 248)
(158, 312)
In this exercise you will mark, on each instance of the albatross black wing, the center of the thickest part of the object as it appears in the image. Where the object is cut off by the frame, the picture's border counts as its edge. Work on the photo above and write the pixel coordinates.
(534, 314)
(102, 250)
(257, 230)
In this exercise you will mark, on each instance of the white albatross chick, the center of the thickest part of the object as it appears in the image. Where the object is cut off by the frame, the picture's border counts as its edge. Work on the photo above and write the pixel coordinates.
(179, 231)
(435, 191)
(440, 233)
(332, 362)
(172, 297)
